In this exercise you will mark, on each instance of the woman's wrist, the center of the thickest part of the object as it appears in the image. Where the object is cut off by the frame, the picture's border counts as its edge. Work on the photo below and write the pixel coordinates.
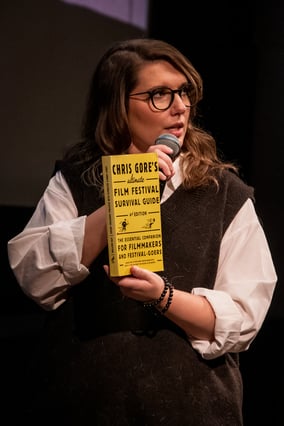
(163, 303)
(156, 302)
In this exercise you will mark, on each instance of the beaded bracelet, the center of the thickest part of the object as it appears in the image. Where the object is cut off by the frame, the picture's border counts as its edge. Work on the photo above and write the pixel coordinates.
(161, 298)
(169, 301)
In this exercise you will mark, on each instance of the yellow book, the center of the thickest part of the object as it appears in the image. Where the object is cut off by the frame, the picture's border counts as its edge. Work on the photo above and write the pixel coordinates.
(132, 198)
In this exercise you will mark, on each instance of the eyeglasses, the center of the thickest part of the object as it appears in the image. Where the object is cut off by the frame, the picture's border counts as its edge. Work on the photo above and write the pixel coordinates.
(163, 97)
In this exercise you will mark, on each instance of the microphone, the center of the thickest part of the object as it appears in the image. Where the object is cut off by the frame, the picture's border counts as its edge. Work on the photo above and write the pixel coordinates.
(172, 142)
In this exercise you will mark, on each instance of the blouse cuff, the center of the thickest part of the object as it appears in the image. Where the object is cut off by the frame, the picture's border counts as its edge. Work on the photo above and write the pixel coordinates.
(228, 324)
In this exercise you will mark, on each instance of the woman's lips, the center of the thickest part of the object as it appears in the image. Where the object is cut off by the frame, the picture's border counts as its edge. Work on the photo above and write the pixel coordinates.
(176, 131)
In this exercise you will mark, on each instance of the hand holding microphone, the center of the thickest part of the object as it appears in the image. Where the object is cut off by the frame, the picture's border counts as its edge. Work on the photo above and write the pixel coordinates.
(172, 142)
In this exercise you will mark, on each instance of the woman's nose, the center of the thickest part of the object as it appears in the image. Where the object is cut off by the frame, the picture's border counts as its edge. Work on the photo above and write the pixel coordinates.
(178, 103)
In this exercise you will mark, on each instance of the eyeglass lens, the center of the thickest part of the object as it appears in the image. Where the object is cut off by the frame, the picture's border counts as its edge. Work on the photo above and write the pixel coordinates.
(162, 98)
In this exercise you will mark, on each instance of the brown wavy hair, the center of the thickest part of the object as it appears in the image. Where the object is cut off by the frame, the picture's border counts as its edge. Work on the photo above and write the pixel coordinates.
(105, 128)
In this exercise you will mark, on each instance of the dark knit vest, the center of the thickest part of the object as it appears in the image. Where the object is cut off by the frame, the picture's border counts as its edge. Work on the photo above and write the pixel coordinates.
(130, 367)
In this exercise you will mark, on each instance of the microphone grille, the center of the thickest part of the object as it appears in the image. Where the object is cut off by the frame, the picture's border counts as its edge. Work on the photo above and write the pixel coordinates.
(171, 141)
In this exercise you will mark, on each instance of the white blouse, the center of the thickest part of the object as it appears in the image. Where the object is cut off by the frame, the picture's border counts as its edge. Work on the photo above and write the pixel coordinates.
(45, 258)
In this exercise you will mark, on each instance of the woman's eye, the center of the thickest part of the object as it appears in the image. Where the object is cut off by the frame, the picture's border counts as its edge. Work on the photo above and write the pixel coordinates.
(161, 93)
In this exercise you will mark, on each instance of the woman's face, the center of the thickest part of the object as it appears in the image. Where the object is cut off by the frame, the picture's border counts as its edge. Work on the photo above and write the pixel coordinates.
(145, 122)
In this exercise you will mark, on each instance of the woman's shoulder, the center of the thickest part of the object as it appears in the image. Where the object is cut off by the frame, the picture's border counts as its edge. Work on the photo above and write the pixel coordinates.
(234, 184)
(234, 192)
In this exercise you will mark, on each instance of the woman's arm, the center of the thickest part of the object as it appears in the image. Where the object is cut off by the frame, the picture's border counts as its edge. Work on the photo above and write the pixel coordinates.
(244, 286)
(227, 318)
(47, 256)
(192, 313)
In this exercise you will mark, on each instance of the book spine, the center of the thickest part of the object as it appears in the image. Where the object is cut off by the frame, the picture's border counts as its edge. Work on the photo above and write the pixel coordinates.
(111, 225)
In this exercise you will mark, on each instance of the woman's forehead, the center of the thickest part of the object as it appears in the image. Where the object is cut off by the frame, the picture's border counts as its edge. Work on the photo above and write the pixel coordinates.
(158, 73)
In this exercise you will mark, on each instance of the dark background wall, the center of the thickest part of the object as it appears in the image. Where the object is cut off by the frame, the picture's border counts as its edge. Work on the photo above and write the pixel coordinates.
(238, 47)
(48, 51)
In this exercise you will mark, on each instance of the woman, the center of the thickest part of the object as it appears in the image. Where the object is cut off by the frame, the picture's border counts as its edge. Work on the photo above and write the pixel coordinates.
(147, 348)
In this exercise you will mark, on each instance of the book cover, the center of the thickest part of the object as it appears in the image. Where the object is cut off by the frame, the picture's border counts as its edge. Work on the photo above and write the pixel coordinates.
(132, 198)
